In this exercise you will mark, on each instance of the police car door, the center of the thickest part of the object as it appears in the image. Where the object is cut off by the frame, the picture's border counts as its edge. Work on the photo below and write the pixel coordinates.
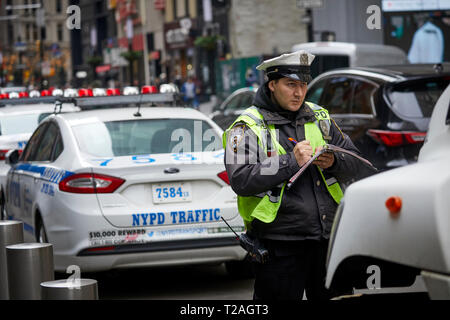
(17, 185)
(37, 188)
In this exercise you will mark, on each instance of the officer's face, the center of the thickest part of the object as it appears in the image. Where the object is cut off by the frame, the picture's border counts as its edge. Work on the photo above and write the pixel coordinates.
(289, 93)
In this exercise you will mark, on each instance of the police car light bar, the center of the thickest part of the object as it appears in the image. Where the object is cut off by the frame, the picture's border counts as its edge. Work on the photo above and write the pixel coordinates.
(112, 101)
(40, 100)
(87, 103)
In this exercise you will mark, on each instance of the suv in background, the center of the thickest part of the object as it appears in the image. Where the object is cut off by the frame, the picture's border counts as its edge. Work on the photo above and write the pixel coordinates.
(395, 225)
(332, 55)
(385, 110)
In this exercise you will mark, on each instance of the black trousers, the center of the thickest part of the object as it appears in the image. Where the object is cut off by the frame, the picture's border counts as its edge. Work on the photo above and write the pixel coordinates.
(293, 267)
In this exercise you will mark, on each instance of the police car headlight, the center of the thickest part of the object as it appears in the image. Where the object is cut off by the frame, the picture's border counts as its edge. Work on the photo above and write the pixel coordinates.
(337, 219)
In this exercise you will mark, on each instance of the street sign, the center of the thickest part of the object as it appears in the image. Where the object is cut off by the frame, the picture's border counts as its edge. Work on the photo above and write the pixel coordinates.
(309, 4)
(20, 46)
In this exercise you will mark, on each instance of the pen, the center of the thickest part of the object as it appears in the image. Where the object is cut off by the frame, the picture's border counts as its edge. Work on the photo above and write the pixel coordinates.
(293, 140)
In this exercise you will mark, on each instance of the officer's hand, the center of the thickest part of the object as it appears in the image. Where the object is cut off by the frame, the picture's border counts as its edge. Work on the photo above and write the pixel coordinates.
(326, 160)
(303, 152)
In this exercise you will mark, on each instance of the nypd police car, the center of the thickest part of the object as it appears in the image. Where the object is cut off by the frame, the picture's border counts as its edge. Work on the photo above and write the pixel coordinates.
(117, 188)
(395, 226)
(17, 123)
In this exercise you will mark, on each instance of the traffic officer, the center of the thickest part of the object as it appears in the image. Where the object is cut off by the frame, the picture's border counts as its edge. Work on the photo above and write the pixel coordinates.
(264, 148)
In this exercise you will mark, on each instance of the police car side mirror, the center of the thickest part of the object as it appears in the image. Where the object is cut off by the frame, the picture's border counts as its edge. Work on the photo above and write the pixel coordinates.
(12, 157)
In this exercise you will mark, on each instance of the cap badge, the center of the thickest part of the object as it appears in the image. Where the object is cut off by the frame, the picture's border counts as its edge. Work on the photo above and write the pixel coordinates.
(304, 59)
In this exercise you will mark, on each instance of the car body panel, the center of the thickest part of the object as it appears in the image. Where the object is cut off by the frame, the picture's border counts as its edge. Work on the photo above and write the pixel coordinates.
(19, 140)
(418, 236)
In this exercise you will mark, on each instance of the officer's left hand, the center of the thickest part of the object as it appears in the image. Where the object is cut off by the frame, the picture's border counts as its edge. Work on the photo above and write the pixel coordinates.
(326, 160)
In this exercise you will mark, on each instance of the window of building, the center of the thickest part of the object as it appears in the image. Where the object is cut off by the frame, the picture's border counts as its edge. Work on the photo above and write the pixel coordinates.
(58, 6)
(60, 32)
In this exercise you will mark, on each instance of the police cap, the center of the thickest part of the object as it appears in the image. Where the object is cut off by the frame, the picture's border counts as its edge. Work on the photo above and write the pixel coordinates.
(296, 65)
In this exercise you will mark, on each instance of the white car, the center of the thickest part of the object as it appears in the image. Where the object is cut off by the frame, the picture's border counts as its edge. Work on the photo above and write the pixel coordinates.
(17, 123)
(396, 225)
(112, 189)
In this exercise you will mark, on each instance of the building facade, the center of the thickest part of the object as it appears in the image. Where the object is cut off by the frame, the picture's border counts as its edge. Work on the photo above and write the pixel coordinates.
(98, 30)
(261, 27)
(35, 43)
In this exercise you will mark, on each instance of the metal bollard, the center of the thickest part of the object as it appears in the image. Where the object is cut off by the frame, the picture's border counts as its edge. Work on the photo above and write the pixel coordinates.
(78, 289)
(11, 232)
(29, 264)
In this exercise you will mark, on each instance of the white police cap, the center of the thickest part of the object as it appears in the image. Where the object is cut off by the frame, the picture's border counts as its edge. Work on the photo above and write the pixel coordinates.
(296, 65)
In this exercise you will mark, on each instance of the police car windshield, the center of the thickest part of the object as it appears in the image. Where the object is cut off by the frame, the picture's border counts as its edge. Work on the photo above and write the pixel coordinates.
(20, 123)
(143, 137)
(417, 99)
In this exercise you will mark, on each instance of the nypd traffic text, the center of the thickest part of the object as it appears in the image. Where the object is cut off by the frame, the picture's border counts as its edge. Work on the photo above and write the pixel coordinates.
(176, 217)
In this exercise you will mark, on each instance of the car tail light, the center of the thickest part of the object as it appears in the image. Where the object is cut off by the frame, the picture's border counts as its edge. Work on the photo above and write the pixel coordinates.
(224, 176)
(396, 138)
(3, 154)
(90, 183)
(113, 92)
(149, 90)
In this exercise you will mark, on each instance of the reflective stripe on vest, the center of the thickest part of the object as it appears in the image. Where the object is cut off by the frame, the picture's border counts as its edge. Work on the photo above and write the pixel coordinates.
(264, 206)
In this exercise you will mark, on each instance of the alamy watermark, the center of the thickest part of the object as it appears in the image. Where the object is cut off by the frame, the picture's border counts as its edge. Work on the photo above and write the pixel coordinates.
(374, 280)
(73, 22)
(374, 20)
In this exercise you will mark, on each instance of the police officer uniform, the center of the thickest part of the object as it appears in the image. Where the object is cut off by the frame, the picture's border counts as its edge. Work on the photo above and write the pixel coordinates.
(293, 224)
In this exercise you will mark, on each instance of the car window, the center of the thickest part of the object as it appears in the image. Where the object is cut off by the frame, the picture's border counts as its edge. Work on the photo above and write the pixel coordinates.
(234, 103)
(44, 151)
(315, 92)
(338, 95)
(417, 99)
(33, 143)
(144, 137)
(58, 147)
(247, 100)
(362, 99)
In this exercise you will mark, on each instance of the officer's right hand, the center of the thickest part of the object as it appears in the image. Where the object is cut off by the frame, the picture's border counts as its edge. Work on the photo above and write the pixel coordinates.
(303, 152)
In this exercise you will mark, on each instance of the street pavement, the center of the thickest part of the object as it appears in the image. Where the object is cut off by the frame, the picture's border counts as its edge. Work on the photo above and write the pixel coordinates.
(203, 282)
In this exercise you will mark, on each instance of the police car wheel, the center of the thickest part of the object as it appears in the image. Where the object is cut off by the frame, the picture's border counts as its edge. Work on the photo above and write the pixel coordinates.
(240, 269)
(41, 235)
(2, 206)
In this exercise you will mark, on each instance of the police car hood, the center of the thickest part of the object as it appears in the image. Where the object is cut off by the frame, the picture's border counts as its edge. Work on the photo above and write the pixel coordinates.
(165, 189)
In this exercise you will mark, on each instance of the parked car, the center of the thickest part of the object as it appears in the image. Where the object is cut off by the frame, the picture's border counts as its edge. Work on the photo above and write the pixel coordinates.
(333, 55)
(126, 189)
(17, 124)
(399, 220)
(233, 106)
(384, 110)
